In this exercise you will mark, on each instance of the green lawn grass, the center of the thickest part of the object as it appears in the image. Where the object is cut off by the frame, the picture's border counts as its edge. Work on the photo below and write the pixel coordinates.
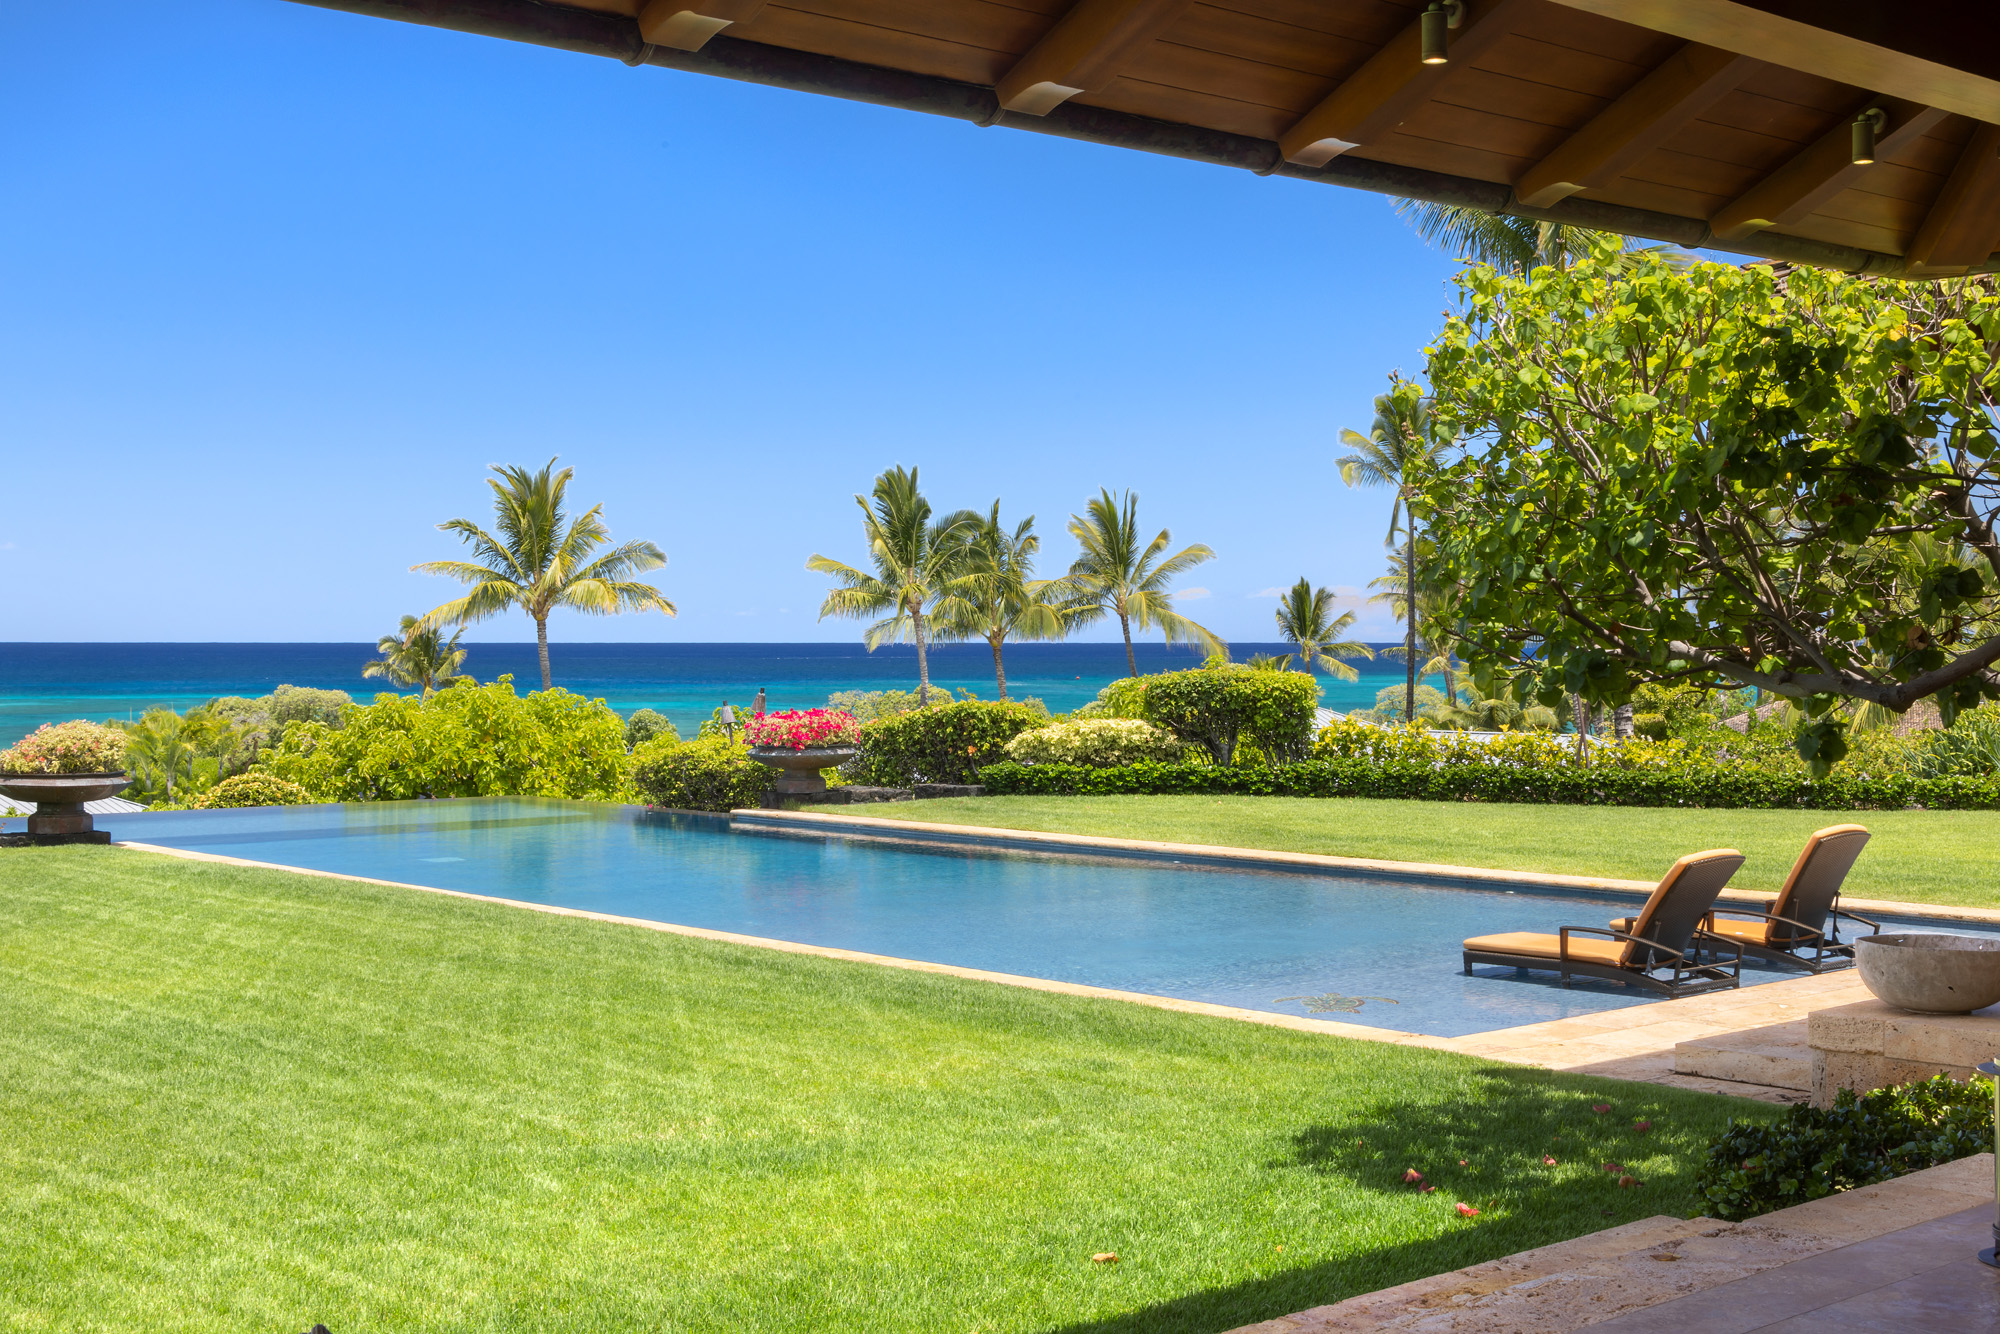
(1944, 857)
(236, 1099)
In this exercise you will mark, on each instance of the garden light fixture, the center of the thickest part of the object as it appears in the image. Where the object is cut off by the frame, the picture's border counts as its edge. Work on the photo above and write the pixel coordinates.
(1440, 16)
(1991, 1069)
(1866, 126)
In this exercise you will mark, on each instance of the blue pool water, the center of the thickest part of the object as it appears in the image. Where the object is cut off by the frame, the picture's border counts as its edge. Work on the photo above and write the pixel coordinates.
(1260, 940)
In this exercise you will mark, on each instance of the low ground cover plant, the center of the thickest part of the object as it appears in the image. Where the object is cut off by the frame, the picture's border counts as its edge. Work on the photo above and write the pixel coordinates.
(75, 747)
(946, 743)
(469, 741)
(251, 789)
(1811, 1152)
(1098, 742)
(709, 773)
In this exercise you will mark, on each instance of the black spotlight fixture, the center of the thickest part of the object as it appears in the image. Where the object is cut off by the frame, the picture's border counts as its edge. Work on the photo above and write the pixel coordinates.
(1866, 126)
(1441, 16)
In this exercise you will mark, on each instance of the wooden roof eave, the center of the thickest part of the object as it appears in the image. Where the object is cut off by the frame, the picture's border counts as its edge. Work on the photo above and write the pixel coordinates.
(591, 32)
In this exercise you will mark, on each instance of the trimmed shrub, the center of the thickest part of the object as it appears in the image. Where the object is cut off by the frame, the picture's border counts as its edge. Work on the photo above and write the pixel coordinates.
(1812, 1152)
(868, 705)
(946, 743)
(647, 725)
(1123, 698)
(1715, 786)
(75, 747)
(1096, 741)
(1215, 705)
(256, 788)
(469, 741)
(706, 774)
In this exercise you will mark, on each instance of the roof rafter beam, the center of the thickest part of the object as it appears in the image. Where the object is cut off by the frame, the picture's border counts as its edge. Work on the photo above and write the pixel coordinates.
(1394, 82)
(1683, 86)
(1821, 171)
(1083, 51)
(686, 24)
(1963, 227)
(1942, 53)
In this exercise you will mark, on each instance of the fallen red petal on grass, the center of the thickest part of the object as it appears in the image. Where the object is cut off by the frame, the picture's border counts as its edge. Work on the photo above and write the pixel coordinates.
(1600, 1107)
(1642, 1126)
(1413, 1176)
(1461, 1162)
(1628, 1181)
(1613, 1167)
(1466, 1210)
(1426, 1189)
(1548, 1161)
(1105, 1258)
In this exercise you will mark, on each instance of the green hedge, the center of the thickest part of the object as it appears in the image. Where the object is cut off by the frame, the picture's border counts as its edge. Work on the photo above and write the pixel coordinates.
(946, 743)
(1718, 786)
(255, 788)
(707, 774)
(1219, 705)
(1814, 1152)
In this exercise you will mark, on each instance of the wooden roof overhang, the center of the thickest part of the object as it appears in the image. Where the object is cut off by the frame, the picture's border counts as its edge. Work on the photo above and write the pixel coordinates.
(1705, 123)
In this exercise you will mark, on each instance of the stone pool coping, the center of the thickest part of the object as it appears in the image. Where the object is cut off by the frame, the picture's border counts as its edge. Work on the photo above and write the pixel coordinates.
(1030, 840)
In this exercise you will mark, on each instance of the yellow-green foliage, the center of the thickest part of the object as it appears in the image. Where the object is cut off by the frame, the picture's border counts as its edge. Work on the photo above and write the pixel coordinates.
(1097, 741)
(706, 774)
(1416, 744)
(252, 789)
(470, 741)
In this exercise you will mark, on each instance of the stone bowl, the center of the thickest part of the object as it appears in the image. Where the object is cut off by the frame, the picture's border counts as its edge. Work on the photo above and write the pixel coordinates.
(62, 789)
(1931, 973)
(784, 757)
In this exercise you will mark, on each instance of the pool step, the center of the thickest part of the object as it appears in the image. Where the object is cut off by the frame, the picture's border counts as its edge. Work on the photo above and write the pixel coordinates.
(1776, 1056)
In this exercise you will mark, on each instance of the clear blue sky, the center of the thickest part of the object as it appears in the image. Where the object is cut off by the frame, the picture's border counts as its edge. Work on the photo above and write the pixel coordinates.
(278, 283)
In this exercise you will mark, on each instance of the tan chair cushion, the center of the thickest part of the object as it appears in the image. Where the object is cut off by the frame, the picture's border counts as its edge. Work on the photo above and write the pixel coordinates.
(1535, 945)
(1750, 933)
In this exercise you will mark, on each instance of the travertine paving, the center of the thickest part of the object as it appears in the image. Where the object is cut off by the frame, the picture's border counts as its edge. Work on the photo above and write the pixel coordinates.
(1660, 1265)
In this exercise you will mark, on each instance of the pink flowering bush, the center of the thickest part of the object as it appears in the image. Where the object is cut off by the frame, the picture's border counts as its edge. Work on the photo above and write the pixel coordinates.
(804, 729)
(77, 747)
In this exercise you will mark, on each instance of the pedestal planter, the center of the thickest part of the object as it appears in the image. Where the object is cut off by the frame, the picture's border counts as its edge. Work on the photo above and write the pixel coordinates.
(1931, 973)
(798, 770)
(59, 814)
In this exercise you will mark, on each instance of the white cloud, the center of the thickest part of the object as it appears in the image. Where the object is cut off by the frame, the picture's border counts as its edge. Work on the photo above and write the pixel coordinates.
(1190, 594)
(1269, 593)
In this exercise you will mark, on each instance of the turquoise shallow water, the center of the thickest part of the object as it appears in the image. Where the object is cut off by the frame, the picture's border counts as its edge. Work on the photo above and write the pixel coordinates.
(49, 682)
(1276, 941)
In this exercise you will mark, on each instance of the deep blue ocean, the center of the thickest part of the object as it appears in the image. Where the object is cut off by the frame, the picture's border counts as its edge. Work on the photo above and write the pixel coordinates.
(42, 683)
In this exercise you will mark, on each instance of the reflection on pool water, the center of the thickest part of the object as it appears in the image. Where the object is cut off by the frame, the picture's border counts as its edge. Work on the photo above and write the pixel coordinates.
(1358, 949)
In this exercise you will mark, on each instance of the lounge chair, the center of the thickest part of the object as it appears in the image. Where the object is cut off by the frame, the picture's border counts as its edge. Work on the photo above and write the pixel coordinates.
(1666, 934)
(1801, 927)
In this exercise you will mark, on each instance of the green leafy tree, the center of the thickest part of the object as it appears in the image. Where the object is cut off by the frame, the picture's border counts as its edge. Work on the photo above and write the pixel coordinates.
(1401, 447)
(418, 655)
(917, 559)
(996, 597)
(1306, 618)
(1119, 573)
(161, 751)
(1717, 477)
(537, 562)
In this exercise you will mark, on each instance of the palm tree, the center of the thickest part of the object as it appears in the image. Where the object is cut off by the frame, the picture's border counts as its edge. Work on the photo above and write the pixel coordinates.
(1115, 574)
(1305, 618)
(162, 748)
(538, 564)
(916, 559)
(418, 655)
(1515, 244)
(997, 597)
(1436, 644)
(1400, 445)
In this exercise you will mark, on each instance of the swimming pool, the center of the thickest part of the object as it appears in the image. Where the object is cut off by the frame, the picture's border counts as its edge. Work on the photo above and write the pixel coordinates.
(1359, 949)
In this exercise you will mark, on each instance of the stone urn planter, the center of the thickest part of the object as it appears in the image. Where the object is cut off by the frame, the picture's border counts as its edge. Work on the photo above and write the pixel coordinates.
(59, 814)
(1931, 973)
(798, 770)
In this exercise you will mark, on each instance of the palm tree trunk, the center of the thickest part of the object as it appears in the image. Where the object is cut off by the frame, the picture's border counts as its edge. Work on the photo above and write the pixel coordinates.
(923, 664)
(1125, 624)
(1621, 722)
(542, 644)
(999, 667)
(1410, 638)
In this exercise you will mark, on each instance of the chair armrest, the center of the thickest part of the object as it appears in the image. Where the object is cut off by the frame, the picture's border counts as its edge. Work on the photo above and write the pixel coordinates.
(1563, 935)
